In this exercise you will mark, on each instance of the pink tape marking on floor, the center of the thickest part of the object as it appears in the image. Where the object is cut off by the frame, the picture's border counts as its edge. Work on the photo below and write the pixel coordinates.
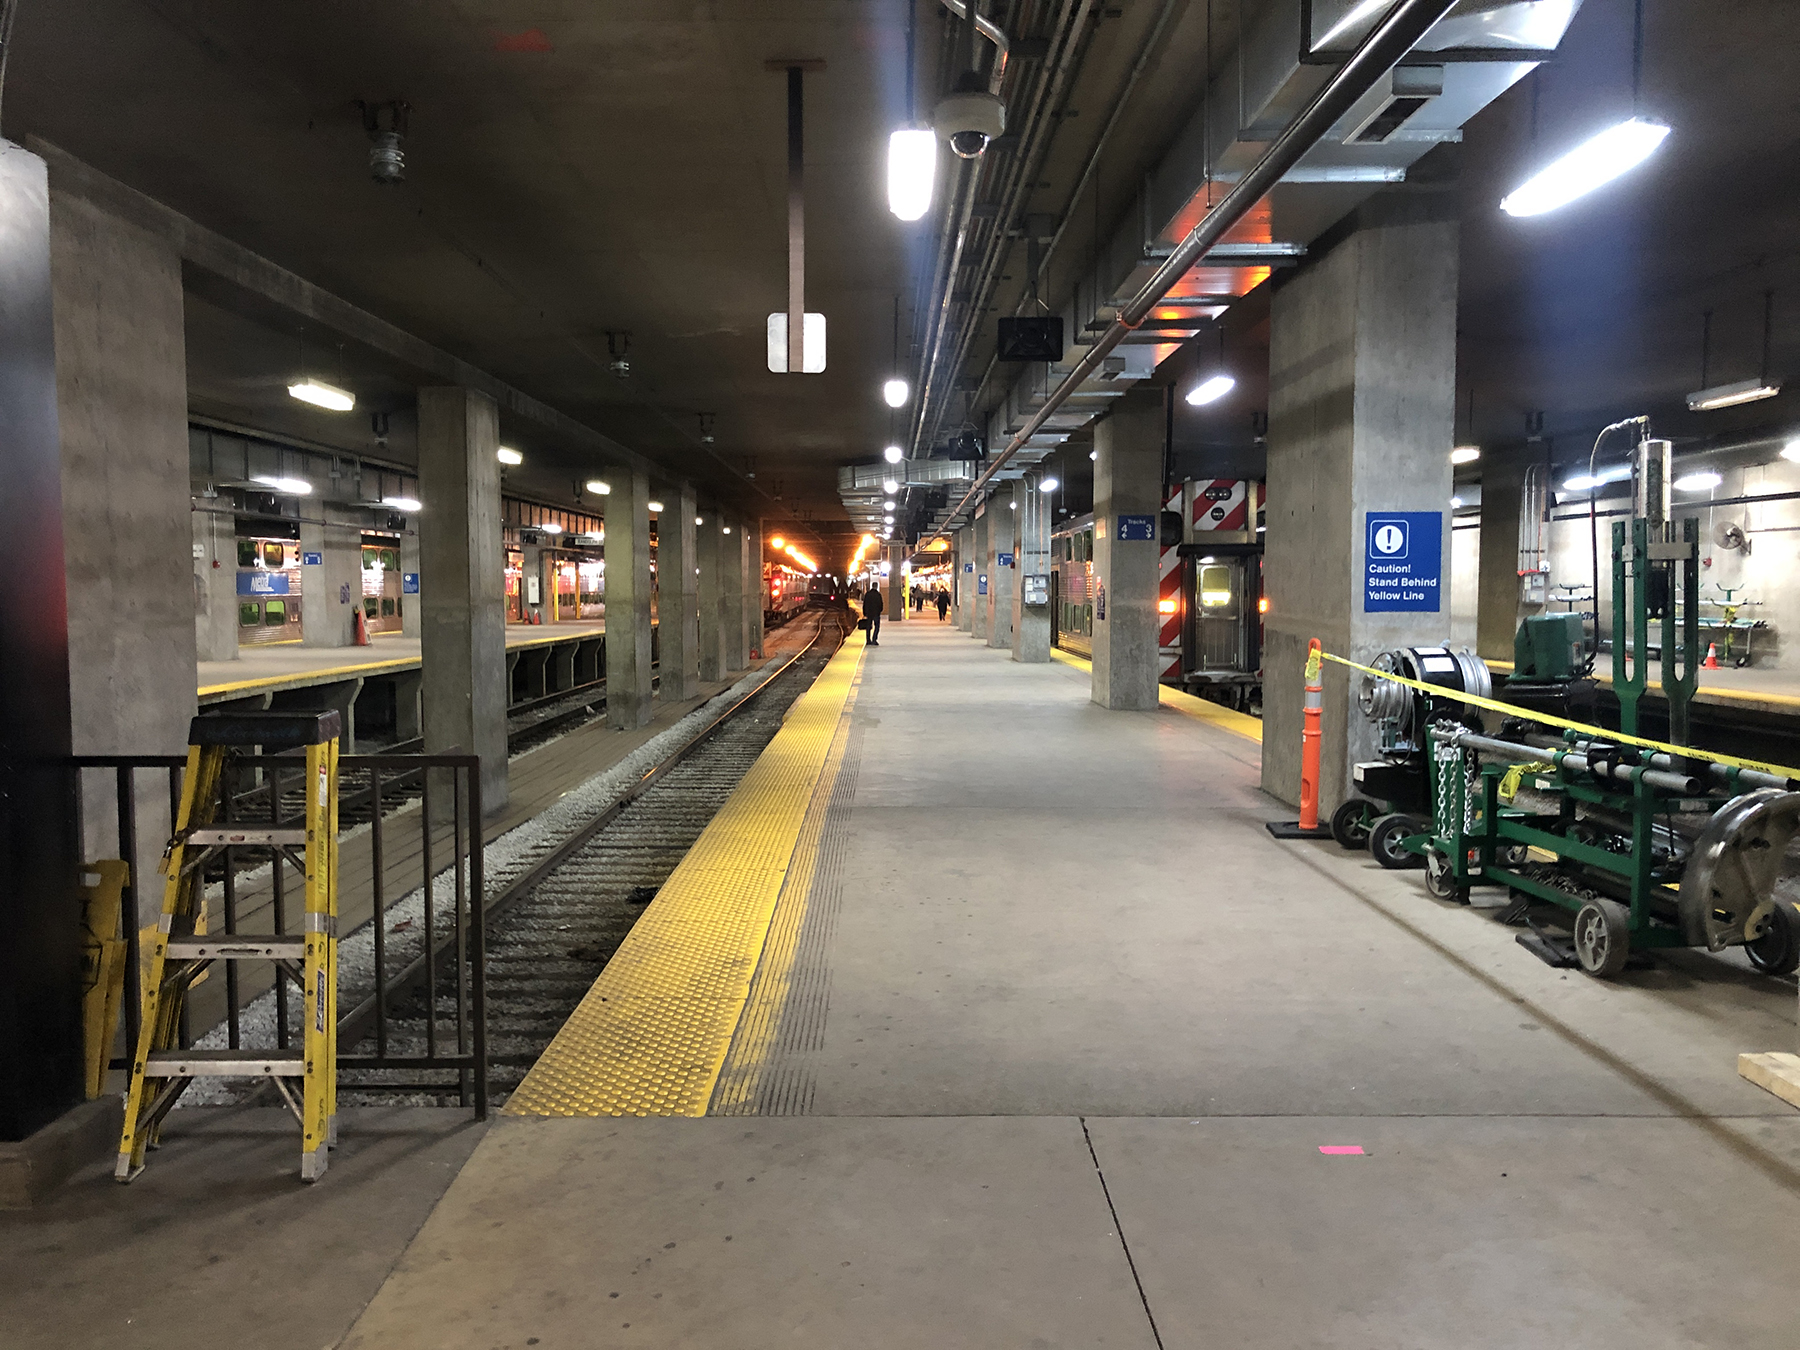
(1340, 1148)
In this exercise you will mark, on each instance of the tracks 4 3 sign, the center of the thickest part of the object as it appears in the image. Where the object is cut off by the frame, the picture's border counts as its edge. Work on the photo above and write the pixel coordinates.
(1403, 561)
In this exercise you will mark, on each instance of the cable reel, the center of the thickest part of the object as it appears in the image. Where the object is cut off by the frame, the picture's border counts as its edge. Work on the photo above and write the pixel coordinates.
(1403, 713)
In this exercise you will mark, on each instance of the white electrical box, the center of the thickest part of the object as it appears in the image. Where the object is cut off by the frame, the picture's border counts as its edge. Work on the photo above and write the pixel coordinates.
(1037, 590)
(531, 591)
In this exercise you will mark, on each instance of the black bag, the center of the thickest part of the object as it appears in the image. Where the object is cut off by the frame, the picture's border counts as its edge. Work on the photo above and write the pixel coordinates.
(862, 625)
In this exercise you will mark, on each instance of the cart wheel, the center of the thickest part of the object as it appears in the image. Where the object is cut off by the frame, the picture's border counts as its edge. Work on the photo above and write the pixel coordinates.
(1386, 838)
(1513, 855)
(1440, 877)
(1777, 951)
(1350, 823)
(1602, 937)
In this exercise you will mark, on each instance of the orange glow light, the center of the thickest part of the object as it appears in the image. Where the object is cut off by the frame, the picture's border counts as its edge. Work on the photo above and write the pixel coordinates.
(1165, 606)
(777, 542)
(1262, 605)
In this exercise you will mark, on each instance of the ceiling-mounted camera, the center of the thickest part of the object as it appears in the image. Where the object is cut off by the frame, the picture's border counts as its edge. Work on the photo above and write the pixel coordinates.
(969, 116)
(386, 125)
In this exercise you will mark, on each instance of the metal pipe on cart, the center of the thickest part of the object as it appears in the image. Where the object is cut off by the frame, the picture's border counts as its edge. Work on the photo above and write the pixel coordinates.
(1657, 759)
(1569, 759)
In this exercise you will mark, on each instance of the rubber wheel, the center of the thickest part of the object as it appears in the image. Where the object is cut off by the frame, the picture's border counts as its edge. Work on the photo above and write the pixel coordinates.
(1440, 877)
(1386, 838)
(1350, 823)
(1603, 937)
(1777, 951)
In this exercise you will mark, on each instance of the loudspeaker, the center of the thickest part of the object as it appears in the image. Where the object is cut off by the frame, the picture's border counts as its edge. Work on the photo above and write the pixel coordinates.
(1039, 338)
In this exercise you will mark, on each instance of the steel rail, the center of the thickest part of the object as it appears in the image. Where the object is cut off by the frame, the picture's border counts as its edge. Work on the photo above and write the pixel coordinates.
(1380, 52)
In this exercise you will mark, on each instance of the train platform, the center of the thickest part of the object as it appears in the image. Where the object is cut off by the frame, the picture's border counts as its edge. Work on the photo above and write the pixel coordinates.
(983, 1016)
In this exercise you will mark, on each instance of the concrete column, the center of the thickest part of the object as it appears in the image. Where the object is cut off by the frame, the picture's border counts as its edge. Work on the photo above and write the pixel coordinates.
(1031, 622)
(893, 590)
(1498, 606)
(1002, 552)
(977, 626)
(756, 596)
(710, 590)
(331, 589)
(215, 582)
(464, 614)
(1128, 468)
(1362, 365)
(121, 378)
(678, 598)
(965, 578)
(735, 563)
(628, 601)
(410, 587)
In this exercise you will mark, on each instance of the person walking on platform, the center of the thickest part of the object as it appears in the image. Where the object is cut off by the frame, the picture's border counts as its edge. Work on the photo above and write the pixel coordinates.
(918, 599)
(872, 608)
(943, 604)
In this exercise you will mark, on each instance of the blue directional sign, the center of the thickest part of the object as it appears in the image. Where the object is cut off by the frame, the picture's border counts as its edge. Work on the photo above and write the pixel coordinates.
(1141, 528)
(1403, 561)
(1004, 559)
(409, 583)
(312, 559)
(968, 567)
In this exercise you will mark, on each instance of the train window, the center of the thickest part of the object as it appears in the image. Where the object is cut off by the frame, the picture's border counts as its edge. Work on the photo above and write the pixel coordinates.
(387, 612)
(370, 606)
(371, 557)
(249, 614)
(274, 555)
(1215, 586)
(274, 613)
(390, 559)
(246, 552)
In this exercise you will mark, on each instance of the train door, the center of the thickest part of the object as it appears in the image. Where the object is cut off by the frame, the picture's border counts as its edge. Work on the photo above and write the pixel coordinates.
(1220, 591)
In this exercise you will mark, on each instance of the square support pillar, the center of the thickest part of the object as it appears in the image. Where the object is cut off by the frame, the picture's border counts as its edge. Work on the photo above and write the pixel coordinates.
(410, 585)
(464, 612)
(710, 588)
(1499, 602)
(215, 582)
(1031, 622)
(677, 599)
(734, 550)
(977, 626)
(628, 602)
(758, 597)
(893, 590)
(1128, 467)
(1002, 553)
(965, 578)
(331, 589)
(1362, 401)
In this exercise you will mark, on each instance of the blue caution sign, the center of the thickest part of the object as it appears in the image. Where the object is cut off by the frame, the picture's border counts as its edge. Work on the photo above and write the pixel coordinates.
(1140, 528)
(262, 583)
(981, 584)
(1403, 561)
(312, 559)
(409, 583)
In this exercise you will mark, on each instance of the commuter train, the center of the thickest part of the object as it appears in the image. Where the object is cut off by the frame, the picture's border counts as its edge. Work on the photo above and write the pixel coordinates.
(785, 594)
(1210, 602)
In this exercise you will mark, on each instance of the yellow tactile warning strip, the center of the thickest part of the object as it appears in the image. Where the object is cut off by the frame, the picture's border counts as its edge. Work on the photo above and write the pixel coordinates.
(1702, 692)
(651, 1036)
(1237, 723)
(741, 1074)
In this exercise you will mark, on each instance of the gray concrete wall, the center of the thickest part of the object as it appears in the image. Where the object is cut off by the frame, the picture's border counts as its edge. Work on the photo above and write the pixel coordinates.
(121, 381)
(463, 614)
(1002, 538)
(1128, 461)
(215, 583)
(628, 602)
(331, 591)
(1362, 367)
(978, 600)
(1497, 607)
(678, 598)
(1031, 623)
(710, 588)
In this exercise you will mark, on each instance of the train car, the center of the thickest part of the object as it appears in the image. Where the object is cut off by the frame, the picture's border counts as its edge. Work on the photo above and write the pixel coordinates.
(826, 592)
(268, 587)
(784, 594)
(1072, 586)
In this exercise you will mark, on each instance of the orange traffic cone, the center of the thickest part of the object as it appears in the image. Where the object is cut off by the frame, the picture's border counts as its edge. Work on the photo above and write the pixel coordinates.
(1712, 656)
(362, 629)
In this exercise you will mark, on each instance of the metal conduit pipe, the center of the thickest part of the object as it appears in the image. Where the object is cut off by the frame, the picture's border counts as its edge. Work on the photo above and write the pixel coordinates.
(991, 31)
(1668, 782)
(1380, 52)
(932, 362)
(1657, 759)
(1036, 145)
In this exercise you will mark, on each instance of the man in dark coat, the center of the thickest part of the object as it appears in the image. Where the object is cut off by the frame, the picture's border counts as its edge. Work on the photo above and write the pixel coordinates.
(943, 604)
(872, 607)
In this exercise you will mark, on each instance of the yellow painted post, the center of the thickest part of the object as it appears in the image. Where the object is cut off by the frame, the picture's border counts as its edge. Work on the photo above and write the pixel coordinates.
(319, 1096)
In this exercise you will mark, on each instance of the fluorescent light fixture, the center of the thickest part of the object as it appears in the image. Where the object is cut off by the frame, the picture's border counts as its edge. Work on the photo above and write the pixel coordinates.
(1465, 454)
(894, 393)
(699, 520)
(1049, 485)
(1012, 506)
(508, 456)
(912, 169)
(893, 453)
(726, 530)
(326, 396)
(812, 343)
(598, 486)
(1594, 163)
(1093, 454)
(655, 508)
(1211, 390)
(1456, 501)
(1699, 481)
(1356, 15)
(407, 504)
(551, 528)
(890, 485)
(294, 487)
(1791, 451)
(1582, 482)
(1730, 395)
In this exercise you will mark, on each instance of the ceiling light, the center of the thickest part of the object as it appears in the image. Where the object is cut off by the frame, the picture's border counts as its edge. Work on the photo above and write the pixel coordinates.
(294, 487)
(894, 392)
(323, 395)
(510, 456)
(1049, 485)
(1456, 501)
(777, 542)
(1791, 451)
(655, 508)
(893, 453)
(1594, 163)
(1465, 454)
(1699, 481)
(408, 504)
(1730, 395)
(726, 530)
(1211, 390)
(1093, 454)
(1012, 506)
(1582, 482)
(551, 528)
(889, 485)
(912, 167)
(599, 487)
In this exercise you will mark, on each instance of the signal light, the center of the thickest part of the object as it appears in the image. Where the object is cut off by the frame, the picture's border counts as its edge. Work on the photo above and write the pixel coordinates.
(1262, 605)
(1165, 606)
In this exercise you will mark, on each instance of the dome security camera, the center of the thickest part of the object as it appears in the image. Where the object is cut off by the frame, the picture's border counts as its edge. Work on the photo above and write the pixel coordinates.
(969, 117)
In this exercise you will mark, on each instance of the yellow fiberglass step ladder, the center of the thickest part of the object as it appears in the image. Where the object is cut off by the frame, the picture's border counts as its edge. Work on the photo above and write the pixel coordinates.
(182, 950)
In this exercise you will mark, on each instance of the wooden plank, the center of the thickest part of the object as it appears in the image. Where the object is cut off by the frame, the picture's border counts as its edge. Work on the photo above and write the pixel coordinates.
(1774, 1072)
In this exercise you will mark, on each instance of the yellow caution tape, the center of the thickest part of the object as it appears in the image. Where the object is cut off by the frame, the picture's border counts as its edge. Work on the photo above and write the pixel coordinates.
(1549, 719)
